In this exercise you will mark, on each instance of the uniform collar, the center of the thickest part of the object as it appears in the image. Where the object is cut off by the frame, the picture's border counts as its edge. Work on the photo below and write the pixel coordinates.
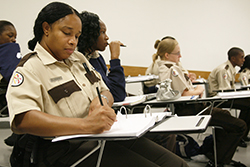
(161, 62)
(92, 56)
(231, 67)
(47, 58)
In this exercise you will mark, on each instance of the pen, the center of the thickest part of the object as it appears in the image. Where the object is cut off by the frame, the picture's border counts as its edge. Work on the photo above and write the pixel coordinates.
(121, 45)
(192, 97)
(86, 67)
(99, 95)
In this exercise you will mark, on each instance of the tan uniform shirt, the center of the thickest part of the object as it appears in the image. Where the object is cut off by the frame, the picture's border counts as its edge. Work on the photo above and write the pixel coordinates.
(222, 78)
(245, 77)
(153, 69)
(60, 88)
(171, 70)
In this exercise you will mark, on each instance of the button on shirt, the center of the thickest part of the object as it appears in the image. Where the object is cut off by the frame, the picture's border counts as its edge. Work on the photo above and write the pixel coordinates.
(222, 77)
(171, 70)
(60, 88)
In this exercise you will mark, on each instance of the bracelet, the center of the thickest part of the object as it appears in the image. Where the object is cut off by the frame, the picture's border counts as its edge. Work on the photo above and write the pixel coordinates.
(105, 98)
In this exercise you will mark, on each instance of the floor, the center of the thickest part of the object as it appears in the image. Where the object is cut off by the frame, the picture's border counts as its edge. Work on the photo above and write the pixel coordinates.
(242, 154)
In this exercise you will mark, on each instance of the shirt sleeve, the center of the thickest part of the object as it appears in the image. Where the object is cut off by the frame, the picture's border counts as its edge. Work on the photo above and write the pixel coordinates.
(223, 81)
(114, 78)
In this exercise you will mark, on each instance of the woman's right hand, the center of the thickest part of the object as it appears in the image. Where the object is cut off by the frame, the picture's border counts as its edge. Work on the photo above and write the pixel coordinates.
(100, 119)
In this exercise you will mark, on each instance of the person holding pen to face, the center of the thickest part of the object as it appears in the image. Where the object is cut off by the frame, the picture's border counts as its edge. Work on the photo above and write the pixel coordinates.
(53, 92)
(233, 128)
(94, 38)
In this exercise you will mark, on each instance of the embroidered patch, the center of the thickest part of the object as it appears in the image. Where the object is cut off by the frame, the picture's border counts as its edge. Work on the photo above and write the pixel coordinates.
(225, 76)
(175, 73)
(17, 79)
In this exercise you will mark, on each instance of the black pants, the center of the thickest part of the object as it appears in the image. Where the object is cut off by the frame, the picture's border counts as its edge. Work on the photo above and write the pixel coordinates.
(141, 152)
(227, 139)
(244, 106)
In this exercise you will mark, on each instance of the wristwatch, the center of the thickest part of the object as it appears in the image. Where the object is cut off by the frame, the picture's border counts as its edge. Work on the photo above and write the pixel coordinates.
(105, 98)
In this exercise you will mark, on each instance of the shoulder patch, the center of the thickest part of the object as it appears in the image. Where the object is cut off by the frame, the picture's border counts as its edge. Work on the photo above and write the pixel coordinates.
(17, 79)
(169, 65)
(25, 58)
(175, 73)
(244, 70)
(227, 67)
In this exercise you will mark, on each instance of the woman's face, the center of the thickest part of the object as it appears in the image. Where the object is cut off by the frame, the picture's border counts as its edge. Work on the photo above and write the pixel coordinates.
(175, 55)
(8, 35)
(102, 41)
(60, 39)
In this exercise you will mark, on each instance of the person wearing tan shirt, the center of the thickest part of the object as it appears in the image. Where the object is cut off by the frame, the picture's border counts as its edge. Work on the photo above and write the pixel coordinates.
(223, 77)
(169, 52)
(53, 93)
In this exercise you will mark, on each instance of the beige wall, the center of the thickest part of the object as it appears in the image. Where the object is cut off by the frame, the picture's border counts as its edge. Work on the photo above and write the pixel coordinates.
(205, 29)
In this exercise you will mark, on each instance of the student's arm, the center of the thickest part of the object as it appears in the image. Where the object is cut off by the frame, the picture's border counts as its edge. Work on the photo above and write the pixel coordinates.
(197, 91)
(43, 124)
(116, 78)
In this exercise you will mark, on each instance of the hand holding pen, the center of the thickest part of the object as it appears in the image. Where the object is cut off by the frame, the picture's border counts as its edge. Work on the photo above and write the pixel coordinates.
(114, 48)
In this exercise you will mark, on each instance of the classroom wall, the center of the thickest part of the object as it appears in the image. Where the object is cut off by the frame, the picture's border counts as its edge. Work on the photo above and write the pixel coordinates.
(205, 29)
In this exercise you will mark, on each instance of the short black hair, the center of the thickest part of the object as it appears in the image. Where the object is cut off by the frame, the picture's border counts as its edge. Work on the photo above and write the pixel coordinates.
(234, 51)
(90, 32)
(50, 14)
(3, 24)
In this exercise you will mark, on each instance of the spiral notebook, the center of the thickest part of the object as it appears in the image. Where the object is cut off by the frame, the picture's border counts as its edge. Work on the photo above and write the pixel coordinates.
(130, 125)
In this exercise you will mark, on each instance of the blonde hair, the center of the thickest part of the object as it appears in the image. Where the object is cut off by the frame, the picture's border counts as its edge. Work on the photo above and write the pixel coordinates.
(165, 46)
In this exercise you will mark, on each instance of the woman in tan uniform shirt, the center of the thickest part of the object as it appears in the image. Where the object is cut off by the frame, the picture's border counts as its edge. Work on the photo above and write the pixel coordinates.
(53, 93)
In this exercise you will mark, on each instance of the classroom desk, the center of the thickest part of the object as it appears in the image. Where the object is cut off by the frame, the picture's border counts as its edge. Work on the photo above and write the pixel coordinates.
(186, 99)
(197, 124)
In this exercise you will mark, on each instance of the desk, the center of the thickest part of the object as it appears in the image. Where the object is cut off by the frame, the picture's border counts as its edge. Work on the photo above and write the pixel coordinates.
(102, 140)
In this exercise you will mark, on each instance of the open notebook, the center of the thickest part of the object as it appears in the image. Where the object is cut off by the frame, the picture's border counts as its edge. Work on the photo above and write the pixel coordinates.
(183, 124)
(130, 125)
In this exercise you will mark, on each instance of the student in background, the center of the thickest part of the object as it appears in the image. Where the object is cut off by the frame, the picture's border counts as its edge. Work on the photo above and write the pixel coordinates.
(153, 69)
(9, 58)
(49, 95)
(245, 72)
(93, 39)
(223, 77)
(233, 128)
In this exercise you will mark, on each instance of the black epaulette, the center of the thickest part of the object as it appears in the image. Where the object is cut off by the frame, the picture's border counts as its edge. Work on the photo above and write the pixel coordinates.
(169, 65)
(244, 70)
(25, 58)
(186, 77)
(227, 67)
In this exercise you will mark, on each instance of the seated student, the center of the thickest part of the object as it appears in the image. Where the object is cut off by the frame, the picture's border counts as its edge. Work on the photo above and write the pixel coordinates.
(244, 77)
(222, 78)
(9, 58)
(94, 39)
(50, 95)
(233, 128)
(153, 69)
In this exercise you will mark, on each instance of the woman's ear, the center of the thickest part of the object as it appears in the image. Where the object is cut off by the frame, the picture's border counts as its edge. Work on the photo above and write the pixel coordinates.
(46, 28)
(166, 55)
